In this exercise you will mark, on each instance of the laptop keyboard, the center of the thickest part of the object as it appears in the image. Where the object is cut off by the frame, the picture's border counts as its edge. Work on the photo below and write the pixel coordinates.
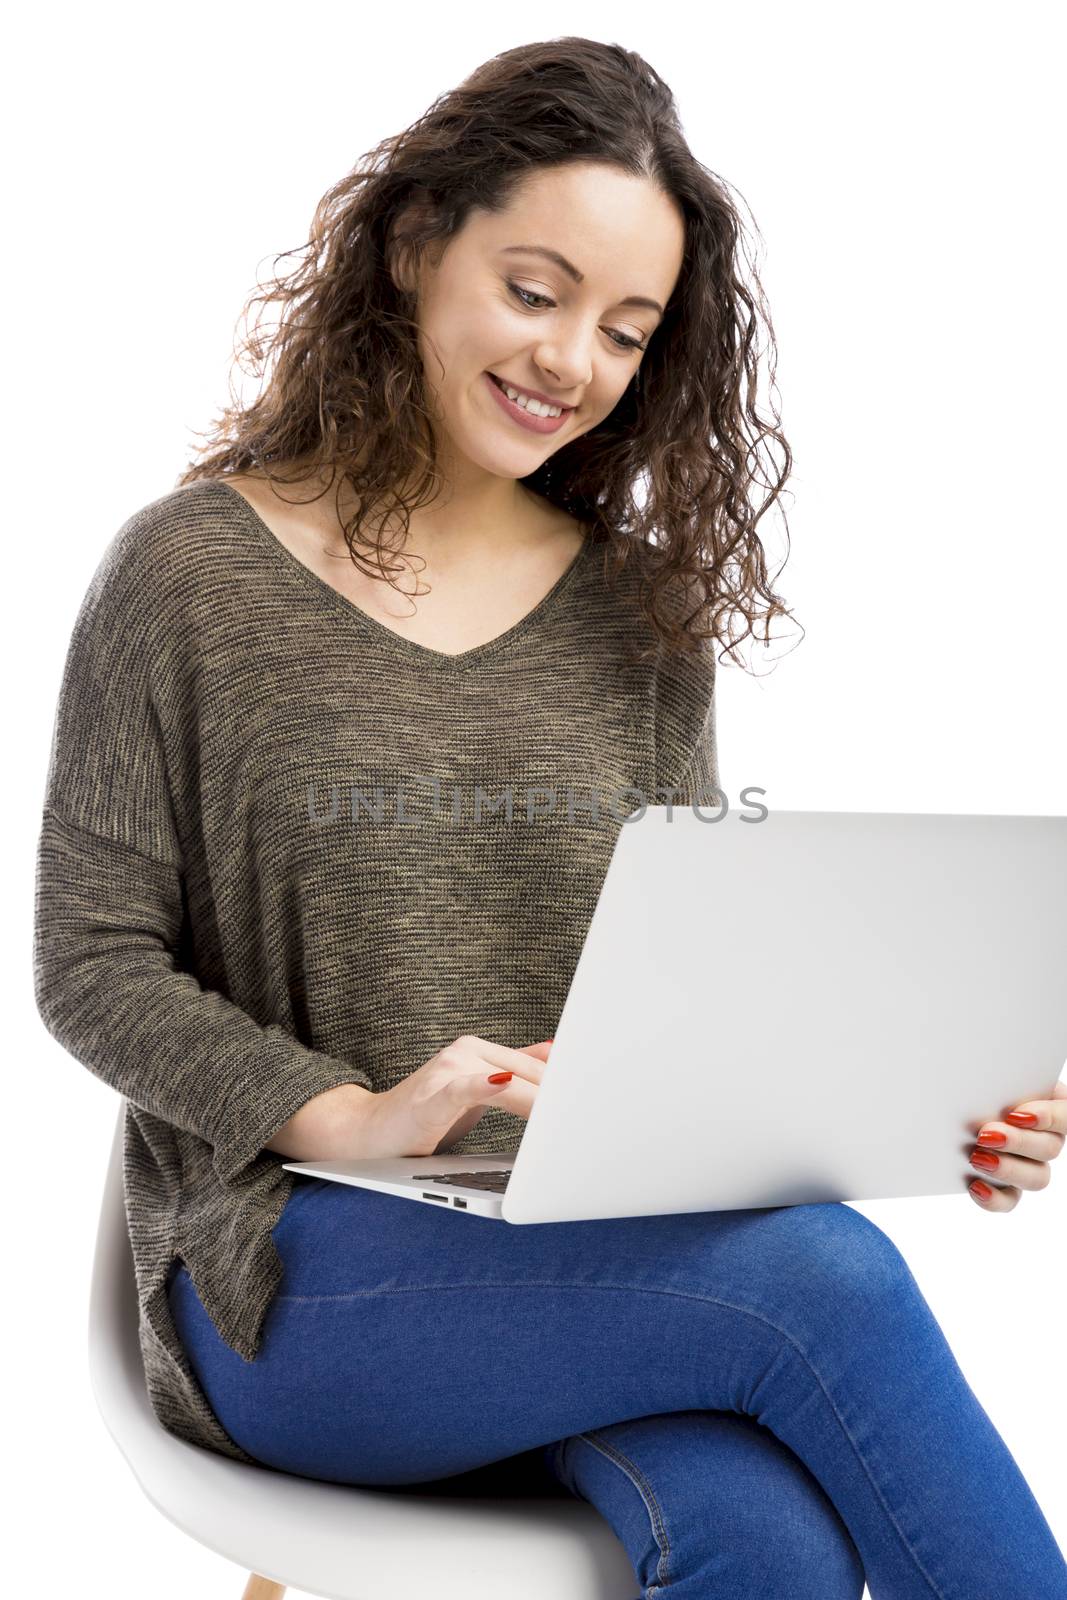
(497, 1181)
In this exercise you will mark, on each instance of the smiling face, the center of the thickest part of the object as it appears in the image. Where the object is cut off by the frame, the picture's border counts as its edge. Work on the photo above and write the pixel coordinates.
(573, 336)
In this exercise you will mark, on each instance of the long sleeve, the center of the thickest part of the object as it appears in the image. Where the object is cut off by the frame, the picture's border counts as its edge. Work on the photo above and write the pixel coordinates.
(110, 907)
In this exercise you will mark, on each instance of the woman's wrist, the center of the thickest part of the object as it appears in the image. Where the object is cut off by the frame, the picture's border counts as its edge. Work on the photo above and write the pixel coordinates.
(327, 1127)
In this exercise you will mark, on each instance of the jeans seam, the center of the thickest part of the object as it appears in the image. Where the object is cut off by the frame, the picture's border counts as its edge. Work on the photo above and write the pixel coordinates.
(651, 1504)
(679, 1294)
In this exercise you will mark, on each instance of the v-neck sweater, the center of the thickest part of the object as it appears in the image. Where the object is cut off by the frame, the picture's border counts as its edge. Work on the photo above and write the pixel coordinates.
(283, 848)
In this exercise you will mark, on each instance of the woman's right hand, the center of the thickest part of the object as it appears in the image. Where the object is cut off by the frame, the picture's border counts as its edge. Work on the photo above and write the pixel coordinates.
(434, 1106)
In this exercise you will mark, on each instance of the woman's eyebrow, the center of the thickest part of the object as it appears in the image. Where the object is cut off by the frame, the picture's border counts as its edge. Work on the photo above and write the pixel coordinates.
(572, 271)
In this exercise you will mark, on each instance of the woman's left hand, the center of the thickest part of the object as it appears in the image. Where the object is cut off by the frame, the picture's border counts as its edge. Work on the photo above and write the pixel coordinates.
(1016, 1153)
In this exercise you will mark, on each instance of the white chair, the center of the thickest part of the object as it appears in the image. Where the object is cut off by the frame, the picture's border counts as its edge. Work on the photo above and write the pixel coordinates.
(323, 1538)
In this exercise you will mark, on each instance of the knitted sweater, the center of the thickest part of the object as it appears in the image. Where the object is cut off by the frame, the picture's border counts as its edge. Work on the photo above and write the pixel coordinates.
(276, 856)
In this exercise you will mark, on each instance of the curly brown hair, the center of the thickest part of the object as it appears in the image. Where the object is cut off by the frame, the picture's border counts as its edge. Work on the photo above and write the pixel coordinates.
(346, 394)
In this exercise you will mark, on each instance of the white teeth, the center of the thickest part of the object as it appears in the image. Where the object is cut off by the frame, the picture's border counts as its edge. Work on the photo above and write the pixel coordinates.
(535, 406)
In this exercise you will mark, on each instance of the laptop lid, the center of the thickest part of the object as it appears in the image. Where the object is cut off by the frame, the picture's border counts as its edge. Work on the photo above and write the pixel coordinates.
(805, 1006)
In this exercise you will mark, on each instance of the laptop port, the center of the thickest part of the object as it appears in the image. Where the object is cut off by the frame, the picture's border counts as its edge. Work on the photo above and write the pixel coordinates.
(456, 1201)
(443, 1197)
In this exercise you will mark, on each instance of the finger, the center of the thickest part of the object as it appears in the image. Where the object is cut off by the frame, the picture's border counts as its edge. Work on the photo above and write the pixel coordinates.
(516, 1095)
(1017, 1170)
(991, 1197)
(1047, 1115)
(1003, 1138)
(501, 1058)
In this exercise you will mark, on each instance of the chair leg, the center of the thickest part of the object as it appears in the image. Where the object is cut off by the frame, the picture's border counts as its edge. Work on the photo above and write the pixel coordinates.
(263, 1589)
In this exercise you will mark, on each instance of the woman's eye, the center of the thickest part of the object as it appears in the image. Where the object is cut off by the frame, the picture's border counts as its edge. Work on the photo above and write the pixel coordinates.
(623, 340)
(526, 295)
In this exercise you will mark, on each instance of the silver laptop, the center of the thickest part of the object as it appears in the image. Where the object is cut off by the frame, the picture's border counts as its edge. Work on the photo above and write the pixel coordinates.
(795, 1007)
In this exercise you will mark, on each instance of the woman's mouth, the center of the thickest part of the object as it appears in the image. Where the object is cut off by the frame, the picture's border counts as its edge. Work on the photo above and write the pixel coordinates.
(539, 420)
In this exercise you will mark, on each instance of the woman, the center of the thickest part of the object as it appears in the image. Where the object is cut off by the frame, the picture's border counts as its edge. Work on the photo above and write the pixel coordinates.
(266, 915)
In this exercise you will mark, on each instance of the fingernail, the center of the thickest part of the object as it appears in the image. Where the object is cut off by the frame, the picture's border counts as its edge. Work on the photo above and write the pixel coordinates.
(993, 1137)
(1021, 1119)
(982, 1190)
(550, 1041)
(498, 1077)
(986, 1159)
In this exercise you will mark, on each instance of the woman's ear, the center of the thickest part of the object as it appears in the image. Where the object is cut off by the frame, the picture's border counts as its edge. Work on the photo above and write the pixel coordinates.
(400, 251)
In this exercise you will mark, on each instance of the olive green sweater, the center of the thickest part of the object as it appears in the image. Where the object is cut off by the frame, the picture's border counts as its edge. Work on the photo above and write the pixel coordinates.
(276, 856)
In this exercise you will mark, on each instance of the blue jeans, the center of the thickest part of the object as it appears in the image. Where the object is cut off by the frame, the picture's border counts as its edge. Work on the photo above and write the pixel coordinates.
(759, 1402)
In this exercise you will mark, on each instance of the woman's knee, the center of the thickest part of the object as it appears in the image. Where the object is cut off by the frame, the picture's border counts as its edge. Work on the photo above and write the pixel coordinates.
(818, 1283)
(716, 1500)
(780, 1534)
(832, 1254)
(801, 1550)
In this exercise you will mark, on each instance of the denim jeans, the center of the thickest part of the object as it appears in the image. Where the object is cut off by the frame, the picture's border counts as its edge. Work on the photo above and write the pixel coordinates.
(759, 1402)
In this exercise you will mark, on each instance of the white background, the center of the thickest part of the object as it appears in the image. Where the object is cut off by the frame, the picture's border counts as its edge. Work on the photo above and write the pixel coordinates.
(903, 166)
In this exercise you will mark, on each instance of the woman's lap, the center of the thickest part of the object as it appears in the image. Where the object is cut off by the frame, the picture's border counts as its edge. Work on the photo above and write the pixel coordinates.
(467, 1335)
(676, 1361)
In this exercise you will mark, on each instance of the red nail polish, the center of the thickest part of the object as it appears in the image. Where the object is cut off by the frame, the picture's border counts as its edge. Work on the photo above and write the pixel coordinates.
(1021, 1119)
(982, 1190)
(993, 1137)
(985, 1159)
(498, 1077)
